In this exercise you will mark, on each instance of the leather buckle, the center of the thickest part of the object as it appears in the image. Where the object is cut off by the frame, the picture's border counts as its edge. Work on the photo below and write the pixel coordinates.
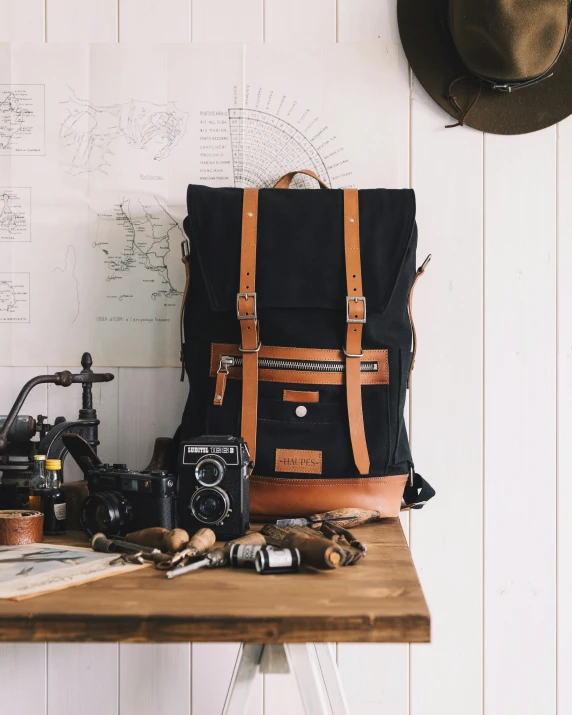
(355, 299)
(246, 296)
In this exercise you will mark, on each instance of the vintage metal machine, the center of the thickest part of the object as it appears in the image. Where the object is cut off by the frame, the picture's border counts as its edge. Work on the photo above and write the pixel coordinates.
(18, 432)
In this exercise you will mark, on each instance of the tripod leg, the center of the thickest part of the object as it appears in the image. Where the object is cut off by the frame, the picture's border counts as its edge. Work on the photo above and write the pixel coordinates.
(245, 671)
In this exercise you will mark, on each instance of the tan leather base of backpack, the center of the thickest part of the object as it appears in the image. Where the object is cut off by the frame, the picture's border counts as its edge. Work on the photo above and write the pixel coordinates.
(302, 497)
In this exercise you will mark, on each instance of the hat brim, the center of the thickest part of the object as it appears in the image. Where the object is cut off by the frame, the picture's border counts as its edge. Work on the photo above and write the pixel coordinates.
(429, 47)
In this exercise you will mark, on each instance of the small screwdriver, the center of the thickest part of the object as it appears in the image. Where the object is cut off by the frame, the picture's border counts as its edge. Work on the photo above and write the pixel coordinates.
(218, 557)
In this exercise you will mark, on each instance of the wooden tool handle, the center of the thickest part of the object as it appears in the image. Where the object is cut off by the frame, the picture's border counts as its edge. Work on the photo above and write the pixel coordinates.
(175, 541)
(318, 552)
(153, 537)
(201, 542)
(158, 538)
(355, 517)
(254, 539)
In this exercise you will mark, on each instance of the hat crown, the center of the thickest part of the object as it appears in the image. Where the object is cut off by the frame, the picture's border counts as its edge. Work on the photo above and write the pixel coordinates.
(508, 40)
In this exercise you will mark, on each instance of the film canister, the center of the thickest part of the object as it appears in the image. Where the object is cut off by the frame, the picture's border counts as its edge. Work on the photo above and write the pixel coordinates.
(243, 554)
(274, 561)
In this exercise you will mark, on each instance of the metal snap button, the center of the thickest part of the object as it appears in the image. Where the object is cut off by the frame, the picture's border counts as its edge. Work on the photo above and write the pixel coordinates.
(301, 411)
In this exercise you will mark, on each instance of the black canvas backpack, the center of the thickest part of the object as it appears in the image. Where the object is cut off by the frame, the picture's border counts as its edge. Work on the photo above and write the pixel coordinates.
(297, 336)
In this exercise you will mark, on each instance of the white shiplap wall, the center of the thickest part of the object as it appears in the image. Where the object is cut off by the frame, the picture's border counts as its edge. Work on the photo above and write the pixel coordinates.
(490, 408)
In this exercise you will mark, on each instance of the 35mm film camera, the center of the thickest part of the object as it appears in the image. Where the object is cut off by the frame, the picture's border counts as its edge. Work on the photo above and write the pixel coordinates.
(214, 485)
(120, 500)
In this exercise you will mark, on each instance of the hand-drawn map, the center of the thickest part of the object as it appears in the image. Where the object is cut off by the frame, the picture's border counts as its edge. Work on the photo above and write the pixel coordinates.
(133, 241)
(22, 119)
(15, 214)
(88, 131)
(14, 297)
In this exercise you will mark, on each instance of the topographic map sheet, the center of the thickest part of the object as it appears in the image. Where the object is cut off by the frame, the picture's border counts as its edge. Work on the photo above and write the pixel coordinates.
(99, 142)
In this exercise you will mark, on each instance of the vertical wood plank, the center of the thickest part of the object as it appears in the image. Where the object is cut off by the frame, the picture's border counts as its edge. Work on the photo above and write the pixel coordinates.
(23, 678)
(446, 400)
(154, 679)
(300, 21)
(564, 443)
(361, 666)
(21, 20)
(22, 664)
(81, 20)
(151, 402)
(227, 21)
(82, 678)
(154, 20)
(520, 424)
(367, 21)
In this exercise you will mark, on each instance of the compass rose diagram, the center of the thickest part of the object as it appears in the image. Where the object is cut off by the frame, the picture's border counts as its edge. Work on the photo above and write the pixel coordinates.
(253, 146)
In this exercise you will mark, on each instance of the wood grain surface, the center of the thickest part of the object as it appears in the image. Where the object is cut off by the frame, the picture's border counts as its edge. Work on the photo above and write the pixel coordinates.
(379, 599)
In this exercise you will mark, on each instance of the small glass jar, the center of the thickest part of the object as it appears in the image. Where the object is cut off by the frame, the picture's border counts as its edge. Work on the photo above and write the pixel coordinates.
(52, 500)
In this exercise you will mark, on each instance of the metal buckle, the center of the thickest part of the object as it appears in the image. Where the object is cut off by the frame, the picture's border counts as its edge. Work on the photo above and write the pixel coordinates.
(256, 350)
(351, 354)
(355, 298)
(246, 296)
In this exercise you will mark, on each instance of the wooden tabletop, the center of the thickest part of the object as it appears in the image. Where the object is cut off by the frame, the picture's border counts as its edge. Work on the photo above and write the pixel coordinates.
(377, 600)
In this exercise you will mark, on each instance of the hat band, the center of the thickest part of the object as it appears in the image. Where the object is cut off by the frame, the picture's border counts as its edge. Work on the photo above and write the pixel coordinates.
(520, 84)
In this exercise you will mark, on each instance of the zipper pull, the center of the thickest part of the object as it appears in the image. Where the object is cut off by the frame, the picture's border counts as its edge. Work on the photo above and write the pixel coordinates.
(221, 375)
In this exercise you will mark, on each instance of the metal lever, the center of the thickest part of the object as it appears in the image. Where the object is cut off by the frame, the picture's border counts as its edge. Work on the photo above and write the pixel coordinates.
(65, 378)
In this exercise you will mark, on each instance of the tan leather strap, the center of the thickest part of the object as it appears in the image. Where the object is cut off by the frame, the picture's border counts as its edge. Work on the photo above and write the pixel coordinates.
(185, 259)
(285, 181)
(355, 317)
(420, 272)
(247, 315)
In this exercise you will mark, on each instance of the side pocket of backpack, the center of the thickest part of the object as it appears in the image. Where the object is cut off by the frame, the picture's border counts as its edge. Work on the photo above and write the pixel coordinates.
(402, 451)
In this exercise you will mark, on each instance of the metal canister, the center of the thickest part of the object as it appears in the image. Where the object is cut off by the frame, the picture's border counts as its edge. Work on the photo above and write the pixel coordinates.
(243, 554)
(270, 560)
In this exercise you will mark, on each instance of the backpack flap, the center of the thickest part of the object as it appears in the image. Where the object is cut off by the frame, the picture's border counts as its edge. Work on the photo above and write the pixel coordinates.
(300, 245)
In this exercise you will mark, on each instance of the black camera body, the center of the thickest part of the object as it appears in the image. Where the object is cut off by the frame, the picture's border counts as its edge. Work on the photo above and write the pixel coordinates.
(121, 501)
(214, 485)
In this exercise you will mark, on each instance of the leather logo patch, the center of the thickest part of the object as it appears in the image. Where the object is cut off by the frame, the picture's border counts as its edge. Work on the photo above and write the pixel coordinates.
(304, 461)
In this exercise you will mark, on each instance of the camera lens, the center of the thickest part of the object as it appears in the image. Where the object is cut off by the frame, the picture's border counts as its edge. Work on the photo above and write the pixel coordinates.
(210, 505)
(209, 471)
(107, 512)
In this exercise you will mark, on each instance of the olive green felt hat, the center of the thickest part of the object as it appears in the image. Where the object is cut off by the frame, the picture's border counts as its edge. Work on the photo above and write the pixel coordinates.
(500, 66)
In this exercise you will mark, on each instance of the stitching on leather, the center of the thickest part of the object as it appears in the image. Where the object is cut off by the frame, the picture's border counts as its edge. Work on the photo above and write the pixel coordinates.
(278, 481)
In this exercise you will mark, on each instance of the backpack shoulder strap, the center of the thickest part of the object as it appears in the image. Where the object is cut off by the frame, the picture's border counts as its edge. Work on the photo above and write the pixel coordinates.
(355, 319)
(247, 314)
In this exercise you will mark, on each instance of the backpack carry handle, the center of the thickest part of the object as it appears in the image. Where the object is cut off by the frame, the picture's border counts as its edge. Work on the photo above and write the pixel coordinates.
(285, 181)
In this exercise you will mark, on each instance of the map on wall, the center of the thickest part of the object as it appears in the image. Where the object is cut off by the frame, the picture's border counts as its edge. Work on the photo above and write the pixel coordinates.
(15, 209)
(21, 119)
(101, 142)
(14, 298)
(88, 132)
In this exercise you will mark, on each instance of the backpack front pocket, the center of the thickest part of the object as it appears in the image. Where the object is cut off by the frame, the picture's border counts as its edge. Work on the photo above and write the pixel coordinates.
(303, 435)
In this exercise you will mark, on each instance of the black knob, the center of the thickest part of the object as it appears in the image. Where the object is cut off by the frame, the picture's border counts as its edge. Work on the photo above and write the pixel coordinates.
(120, 467)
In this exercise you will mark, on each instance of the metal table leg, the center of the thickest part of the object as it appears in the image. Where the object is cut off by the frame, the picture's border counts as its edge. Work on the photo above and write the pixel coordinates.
(313, 665)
